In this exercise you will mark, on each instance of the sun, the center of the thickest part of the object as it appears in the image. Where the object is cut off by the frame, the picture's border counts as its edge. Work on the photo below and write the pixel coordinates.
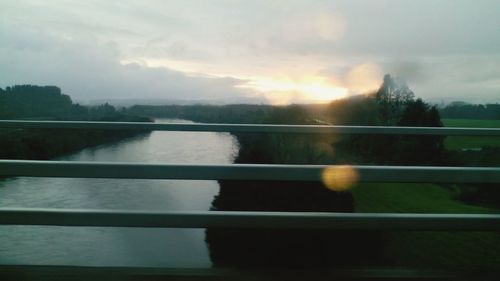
(309, 89)
(318, 89)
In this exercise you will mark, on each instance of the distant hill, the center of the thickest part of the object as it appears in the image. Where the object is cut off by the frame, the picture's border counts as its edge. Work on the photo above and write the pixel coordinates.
(462, 110)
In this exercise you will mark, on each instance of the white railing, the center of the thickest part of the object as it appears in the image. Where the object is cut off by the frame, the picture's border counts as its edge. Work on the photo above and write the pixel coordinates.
(226, 219)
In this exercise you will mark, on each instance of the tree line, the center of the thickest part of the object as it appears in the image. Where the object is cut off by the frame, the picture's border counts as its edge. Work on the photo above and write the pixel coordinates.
(462, 110)
(49, 103)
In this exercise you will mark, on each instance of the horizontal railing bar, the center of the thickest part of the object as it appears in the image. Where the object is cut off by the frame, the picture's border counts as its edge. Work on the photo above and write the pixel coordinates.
(231, 219)
(32, 272)
(252, 128)
(72, 169)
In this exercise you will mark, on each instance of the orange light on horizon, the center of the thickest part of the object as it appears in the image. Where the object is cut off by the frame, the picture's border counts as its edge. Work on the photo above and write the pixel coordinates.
(309, 89)
(281, 85)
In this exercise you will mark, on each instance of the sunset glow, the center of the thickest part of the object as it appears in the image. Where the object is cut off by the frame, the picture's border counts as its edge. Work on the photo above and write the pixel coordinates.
(309, 89)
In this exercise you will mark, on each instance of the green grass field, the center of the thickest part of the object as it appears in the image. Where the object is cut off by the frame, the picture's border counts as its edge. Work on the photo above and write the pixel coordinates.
(464, 142)
(473, 250)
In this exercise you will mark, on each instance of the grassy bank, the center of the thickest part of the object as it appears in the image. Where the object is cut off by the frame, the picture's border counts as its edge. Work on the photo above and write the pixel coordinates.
(470, 142)
(474, 250)
(45, 144)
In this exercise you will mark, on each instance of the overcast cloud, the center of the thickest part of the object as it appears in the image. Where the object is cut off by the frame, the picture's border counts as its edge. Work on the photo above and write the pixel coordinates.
(446, 49)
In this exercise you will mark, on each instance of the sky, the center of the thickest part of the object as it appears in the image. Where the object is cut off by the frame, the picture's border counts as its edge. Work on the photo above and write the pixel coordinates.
(263, 51)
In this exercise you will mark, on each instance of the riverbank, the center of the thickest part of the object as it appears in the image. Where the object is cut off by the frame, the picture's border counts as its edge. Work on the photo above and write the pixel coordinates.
(142, 247)
(31, 102)
(44, 144)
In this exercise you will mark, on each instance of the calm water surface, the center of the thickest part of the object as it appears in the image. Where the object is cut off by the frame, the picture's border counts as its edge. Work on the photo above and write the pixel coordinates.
(119, 246)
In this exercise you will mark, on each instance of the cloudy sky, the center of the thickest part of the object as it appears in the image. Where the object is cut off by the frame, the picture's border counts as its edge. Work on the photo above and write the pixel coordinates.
(279, 51)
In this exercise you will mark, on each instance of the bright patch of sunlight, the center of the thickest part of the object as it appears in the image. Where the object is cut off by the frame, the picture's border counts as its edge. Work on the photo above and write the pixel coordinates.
(310, 89)
(339, 178)
(364, 78)
(291, 86)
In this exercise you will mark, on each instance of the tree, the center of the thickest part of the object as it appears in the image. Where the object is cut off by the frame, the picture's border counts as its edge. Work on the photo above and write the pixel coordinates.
(393, 104)
(392, 98)
(425, 150)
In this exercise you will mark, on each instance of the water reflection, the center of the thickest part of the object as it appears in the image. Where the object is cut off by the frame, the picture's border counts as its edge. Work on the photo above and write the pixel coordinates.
(118, 246)
(287, 248)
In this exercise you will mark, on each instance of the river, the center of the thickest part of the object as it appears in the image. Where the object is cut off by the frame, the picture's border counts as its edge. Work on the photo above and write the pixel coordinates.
(100, 246)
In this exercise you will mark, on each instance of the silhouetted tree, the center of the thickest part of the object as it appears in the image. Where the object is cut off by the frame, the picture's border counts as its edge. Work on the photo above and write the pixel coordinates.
(428, 150)
(34, 101)
(393, 104)
(392, 97)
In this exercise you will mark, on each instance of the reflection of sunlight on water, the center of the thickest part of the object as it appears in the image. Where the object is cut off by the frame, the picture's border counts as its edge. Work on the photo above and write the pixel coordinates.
(339, 178)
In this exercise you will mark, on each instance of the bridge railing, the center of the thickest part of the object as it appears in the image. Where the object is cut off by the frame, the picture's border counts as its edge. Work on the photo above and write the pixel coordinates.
(225, 219)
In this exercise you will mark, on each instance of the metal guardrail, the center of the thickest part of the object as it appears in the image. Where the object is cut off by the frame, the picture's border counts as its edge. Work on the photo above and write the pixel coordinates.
(253, 128)
(232, 219)
(114, 273)
(253, 171)
(223, 219)
(73, 169)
